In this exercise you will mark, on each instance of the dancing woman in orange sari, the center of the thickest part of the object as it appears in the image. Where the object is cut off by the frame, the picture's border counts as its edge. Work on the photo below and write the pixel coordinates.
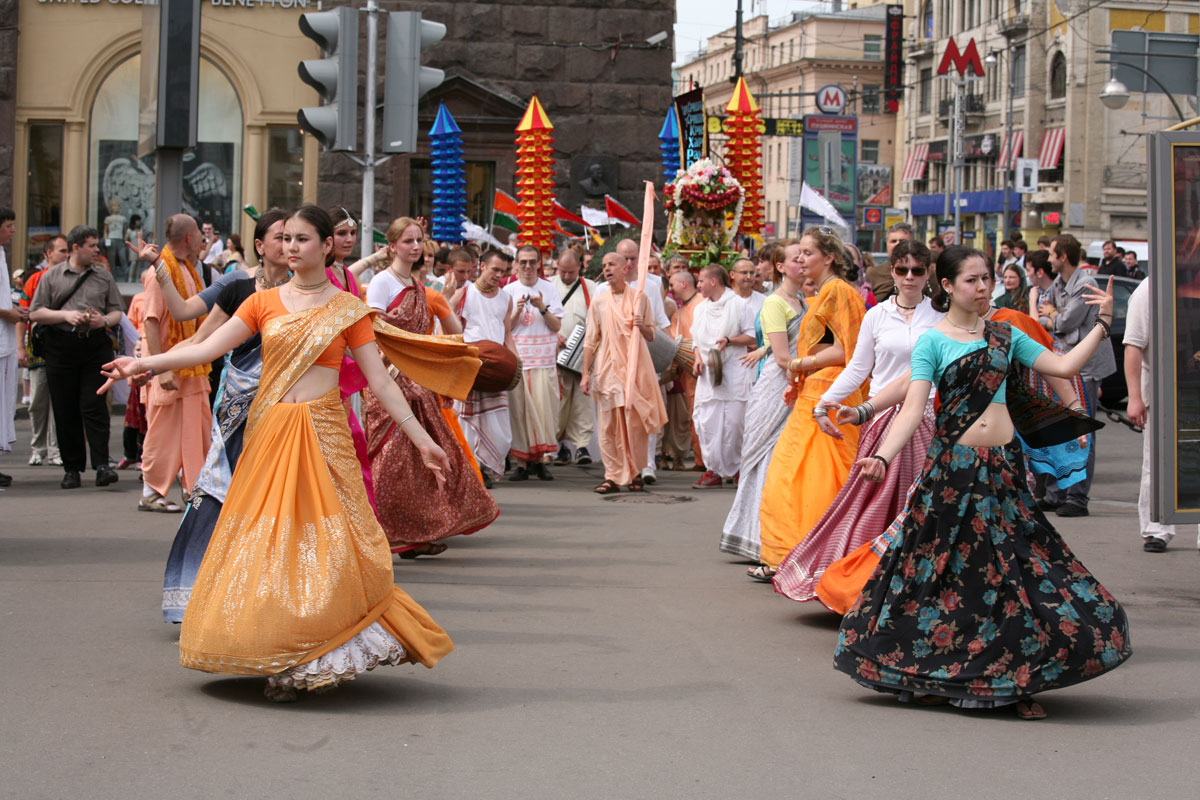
(296, 584)
(808, 467)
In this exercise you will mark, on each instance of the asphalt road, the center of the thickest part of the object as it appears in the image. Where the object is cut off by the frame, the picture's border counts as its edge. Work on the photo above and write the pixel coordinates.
(606, 649)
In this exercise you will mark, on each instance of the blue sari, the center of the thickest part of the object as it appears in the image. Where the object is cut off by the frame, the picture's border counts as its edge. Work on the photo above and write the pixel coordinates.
(243, 369)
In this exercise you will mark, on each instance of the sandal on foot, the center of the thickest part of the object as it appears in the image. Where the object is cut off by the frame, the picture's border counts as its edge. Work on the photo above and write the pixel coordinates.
(1030, 710)
(637, 485)
(427, 549)
(158, 504)
(761, 573)
(608, 487)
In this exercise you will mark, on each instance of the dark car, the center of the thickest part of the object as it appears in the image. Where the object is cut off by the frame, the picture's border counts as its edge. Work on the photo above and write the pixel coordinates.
(1113, 391)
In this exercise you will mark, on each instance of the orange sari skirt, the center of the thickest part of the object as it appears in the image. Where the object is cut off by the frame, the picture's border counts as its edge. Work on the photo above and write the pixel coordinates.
(806, 473)
(297, 564)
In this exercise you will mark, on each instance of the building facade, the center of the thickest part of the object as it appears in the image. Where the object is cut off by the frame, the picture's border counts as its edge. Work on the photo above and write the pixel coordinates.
(785, 63)
(77, 72)
(604, 87)
(1091, 160)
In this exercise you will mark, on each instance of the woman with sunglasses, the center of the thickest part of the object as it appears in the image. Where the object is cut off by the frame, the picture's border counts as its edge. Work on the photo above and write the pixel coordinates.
(862, 510)
(807, 467)
(978, 602)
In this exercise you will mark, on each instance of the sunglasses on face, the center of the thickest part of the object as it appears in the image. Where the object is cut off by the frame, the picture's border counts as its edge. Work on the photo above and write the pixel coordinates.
(917, 272)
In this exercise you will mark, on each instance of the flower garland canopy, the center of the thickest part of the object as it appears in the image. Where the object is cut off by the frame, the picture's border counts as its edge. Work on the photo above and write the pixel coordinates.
(699, 201)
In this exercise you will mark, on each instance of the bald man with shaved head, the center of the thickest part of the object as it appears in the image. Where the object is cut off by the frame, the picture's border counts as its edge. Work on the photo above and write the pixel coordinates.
(177, 411)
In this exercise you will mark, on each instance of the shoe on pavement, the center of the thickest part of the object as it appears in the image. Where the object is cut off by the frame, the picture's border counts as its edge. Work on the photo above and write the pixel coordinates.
(35, 460)
(488, 483)
(1154, 545)
(583, 457)
(519, 474)
(106, 475)
(1071, 510)
(541, 471)
(1046, 505)
(709, 480)
(54, 461)
(649, 477)
(124, 463)
(5, 480)
(71, 480)
(564, 456)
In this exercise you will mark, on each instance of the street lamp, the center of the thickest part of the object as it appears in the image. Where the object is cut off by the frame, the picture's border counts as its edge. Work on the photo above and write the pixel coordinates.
(1114, 95)
(993, 60)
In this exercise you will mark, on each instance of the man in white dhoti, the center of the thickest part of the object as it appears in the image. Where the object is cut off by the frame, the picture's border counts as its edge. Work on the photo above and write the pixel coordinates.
(722, 329)
(484, 416)
(533, 406)
(576, 411)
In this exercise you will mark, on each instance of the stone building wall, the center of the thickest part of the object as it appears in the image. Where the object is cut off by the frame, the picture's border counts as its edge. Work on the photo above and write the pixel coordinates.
(8, 97)
(603, 100)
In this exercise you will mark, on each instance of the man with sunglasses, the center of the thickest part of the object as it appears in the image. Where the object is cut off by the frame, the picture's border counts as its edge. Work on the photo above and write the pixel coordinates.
(880, 275)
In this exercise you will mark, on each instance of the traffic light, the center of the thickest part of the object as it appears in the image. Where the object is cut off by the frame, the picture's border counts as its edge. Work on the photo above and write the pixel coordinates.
(405, 79)
(335, 77)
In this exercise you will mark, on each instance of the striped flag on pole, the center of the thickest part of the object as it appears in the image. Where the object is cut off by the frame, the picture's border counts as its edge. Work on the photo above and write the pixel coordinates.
(504, 212)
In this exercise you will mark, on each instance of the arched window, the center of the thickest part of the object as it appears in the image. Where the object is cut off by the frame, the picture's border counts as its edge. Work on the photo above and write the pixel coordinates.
(1058, 76)
(926, 26)
(212, 170)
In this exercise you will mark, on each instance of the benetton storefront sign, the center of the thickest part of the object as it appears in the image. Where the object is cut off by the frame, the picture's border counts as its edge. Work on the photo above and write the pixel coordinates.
(218, 3)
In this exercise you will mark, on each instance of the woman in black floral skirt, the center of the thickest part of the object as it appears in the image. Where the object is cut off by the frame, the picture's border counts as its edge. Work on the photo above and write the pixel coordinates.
(979, 602)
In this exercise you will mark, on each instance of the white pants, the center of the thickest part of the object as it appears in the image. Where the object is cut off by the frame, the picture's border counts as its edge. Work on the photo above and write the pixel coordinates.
(1151, 529)
(719, 424)
(9, 383)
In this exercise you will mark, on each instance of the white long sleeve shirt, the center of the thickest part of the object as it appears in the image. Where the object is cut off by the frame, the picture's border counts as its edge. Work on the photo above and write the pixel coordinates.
(884, 348)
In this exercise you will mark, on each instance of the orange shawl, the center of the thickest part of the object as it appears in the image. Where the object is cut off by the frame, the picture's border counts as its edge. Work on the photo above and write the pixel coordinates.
(178, 331)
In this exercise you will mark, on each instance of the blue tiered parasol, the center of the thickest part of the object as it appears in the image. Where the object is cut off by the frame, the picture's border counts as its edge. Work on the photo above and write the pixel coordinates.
(449, 180)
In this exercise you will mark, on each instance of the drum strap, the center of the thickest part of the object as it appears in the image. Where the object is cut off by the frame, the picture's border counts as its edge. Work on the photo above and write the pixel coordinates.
(587, 300)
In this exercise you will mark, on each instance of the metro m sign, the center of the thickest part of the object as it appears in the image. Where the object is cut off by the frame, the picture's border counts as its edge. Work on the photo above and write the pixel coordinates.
(966, 60)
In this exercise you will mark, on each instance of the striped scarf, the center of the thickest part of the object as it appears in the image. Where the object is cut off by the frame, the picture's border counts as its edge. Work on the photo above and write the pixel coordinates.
(178, 331)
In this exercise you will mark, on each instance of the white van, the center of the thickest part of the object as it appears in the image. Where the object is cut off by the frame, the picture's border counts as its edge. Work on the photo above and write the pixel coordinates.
(1095, 251)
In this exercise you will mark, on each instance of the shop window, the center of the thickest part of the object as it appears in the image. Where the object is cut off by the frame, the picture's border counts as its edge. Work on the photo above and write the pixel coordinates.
(285, 168)
(43, 197)
(869, 151)
(1058, 76)
(481, 190)
(118, 179)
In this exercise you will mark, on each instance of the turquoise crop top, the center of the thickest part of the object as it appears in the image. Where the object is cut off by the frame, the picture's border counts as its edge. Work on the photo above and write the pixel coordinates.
(935, 351)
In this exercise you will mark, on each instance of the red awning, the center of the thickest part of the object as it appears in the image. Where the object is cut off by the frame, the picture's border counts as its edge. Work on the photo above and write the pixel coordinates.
(914, 165)
(1052, 148)
(1009, 156)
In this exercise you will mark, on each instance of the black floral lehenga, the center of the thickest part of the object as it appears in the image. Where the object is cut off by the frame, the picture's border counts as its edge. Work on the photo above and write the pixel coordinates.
(979, 599)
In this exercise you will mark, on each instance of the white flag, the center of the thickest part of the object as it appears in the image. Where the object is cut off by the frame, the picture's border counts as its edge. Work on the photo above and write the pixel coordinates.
(595, 217)
(815, 202)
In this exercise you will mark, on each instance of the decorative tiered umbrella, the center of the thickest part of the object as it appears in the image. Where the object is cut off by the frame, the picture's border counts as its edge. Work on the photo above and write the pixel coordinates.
(535, 177)
(743, 154)
(668, 146)
(449, 177)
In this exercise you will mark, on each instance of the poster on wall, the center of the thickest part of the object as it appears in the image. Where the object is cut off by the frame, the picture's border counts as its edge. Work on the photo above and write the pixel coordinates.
(830, 161)
(126, 184)
(874, 185)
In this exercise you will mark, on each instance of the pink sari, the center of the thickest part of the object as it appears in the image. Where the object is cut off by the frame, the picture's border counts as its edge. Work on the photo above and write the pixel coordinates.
(351, 381)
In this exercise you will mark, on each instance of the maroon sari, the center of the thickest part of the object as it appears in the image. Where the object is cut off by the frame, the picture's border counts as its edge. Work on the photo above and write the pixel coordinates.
(412, 509)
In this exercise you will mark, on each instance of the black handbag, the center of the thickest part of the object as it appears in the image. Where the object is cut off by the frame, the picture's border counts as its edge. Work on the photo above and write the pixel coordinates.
(37, 336)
